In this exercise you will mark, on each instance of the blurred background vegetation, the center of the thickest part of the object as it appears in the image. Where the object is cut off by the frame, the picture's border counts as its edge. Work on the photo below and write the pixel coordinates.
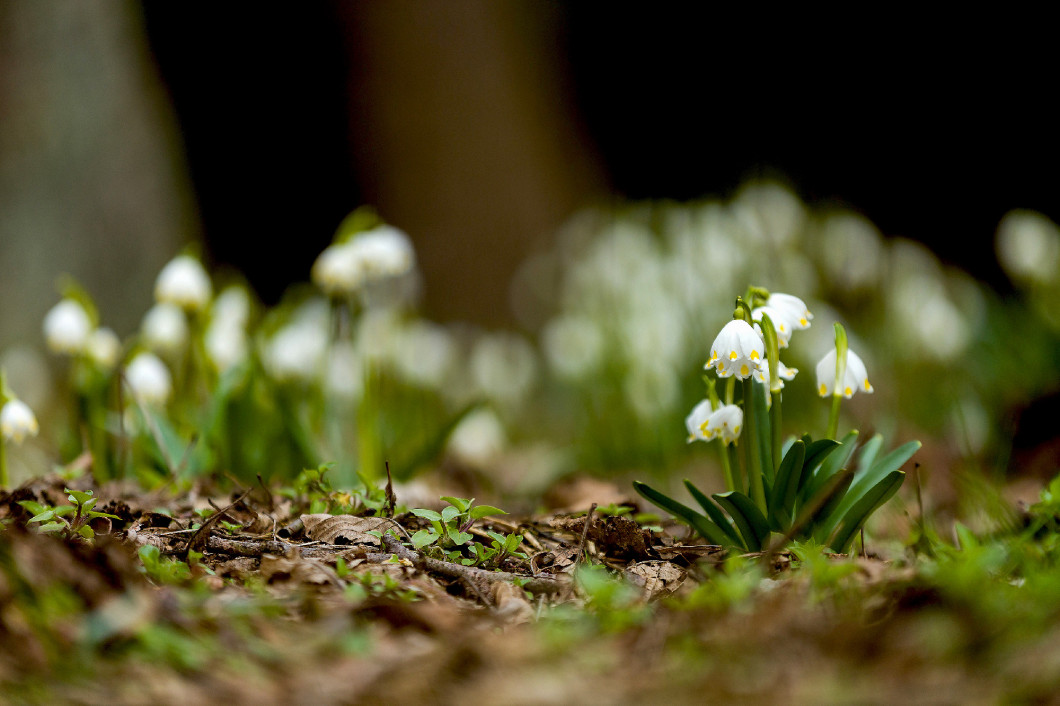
(487, 130)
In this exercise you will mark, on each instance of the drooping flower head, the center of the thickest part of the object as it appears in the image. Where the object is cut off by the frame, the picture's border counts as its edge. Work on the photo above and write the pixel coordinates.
(149, 378)
(781, 323)
(17, 421)
(67, 327)
(165, 328)
(792, 309)
(738, 351)
(725, 424)
(104, 347)
(855, 377)
(696, 421)
(184, 282)
(381, 252)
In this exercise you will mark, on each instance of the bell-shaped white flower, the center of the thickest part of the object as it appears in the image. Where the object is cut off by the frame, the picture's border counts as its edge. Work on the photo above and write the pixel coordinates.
(338, 269)
(67, 327)
(738, 350)
(781, 322)
(696, 421)
(725, 424)
(385, 250)
(184, 282)
(17, 421)
(793, 309)
(226, 345)
(149, 379)
(104, 347)
(165, 328)
(856, 378)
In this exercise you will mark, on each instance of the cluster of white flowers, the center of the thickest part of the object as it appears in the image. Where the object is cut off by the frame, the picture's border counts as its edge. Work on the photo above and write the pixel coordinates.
(68, 329)
(344, 268)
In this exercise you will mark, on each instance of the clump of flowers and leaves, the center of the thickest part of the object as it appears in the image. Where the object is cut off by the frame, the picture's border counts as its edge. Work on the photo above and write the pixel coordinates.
(799, 488)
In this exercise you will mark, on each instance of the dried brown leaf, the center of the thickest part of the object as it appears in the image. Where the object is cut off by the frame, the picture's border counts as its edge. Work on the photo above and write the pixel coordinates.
(344, 529)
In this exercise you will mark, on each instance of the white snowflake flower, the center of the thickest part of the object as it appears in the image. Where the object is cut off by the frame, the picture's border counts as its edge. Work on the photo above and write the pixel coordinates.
(104, 347)
(149, 379)
(725, 424)
(696, 421)
(781, 322)
(855, 379)
(67, 327)
(792, 308)
(184, 283)
(165, 328)
(738, 350)
(17, 421)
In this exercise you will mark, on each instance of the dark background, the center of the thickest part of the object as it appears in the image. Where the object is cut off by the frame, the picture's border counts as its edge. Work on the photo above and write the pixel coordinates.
(932, 129)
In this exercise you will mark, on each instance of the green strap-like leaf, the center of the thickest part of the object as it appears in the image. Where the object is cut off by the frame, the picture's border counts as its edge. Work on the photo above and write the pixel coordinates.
(869, 502)
(705, 527)
(748, 518)
(836, 460)
(789, 475)
(868, 453)
(816, 453)
(882, 468)
(713, 512)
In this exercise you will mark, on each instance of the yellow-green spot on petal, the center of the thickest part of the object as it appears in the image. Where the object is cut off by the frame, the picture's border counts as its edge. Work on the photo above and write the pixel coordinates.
(733, 356)
(823, 390)
(745, 371)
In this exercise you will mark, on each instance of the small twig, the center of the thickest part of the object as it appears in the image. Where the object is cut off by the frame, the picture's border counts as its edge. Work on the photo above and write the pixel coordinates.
(585, 534)
(391, 498)
(470, 573)
(199, 540)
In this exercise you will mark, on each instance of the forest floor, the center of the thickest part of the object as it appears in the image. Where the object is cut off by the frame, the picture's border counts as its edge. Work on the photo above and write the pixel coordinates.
(246, 597)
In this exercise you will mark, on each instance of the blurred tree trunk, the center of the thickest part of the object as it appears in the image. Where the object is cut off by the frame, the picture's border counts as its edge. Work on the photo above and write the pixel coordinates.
(464, 136)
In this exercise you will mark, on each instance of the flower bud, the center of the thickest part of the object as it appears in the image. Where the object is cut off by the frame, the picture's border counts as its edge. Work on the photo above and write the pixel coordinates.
(184, 283)
(67, 327)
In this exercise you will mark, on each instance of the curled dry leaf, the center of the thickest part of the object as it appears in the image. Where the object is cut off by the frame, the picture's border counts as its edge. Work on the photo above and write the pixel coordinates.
(296, 569)
(344, 529)
(657, 578)
(511, 604)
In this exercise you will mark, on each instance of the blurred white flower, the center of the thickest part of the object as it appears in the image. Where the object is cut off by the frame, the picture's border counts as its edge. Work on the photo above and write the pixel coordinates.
(503, 366)
(296, 352)
(165, 328)
(425, 354)
(226, 345)
(696, 421)
(183, 282)
(343, 268)
(17, 421)
(232, 307)
(855, 379)
(850, 251)
(104, 347)
(1028, 246)
(149, 379)
(737, 350)
(478, 439)
(725, 424)
(67, 327)
(573, 345)
(344, 376)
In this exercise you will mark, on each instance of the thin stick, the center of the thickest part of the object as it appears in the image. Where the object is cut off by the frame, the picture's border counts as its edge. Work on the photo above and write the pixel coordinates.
(585, 534)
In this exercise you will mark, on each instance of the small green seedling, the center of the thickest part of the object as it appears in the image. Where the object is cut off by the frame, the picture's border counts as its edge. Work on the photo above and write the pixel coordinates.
(450, 538)
(55, 519)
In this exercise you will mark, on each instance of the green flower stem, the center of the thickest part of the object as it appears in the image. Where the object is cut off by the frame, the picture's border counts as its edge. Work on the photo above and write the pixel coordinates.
(369, 450)
(734, 464)
(754, 460)
(3, 464)
(841, 348)
(774, 430)
(833, 418)
(726, 467)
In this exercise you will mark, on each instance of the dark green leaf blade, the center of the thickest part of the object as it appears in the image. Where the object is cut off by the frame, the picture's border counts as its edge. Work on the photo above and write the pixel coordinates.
(705, 527)
(748, 518)
(869, 502)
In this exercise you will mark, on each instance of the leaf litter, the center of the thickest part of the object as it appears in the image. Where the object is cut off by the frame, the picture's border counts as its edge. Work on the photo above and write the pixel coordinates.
(246, 599)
